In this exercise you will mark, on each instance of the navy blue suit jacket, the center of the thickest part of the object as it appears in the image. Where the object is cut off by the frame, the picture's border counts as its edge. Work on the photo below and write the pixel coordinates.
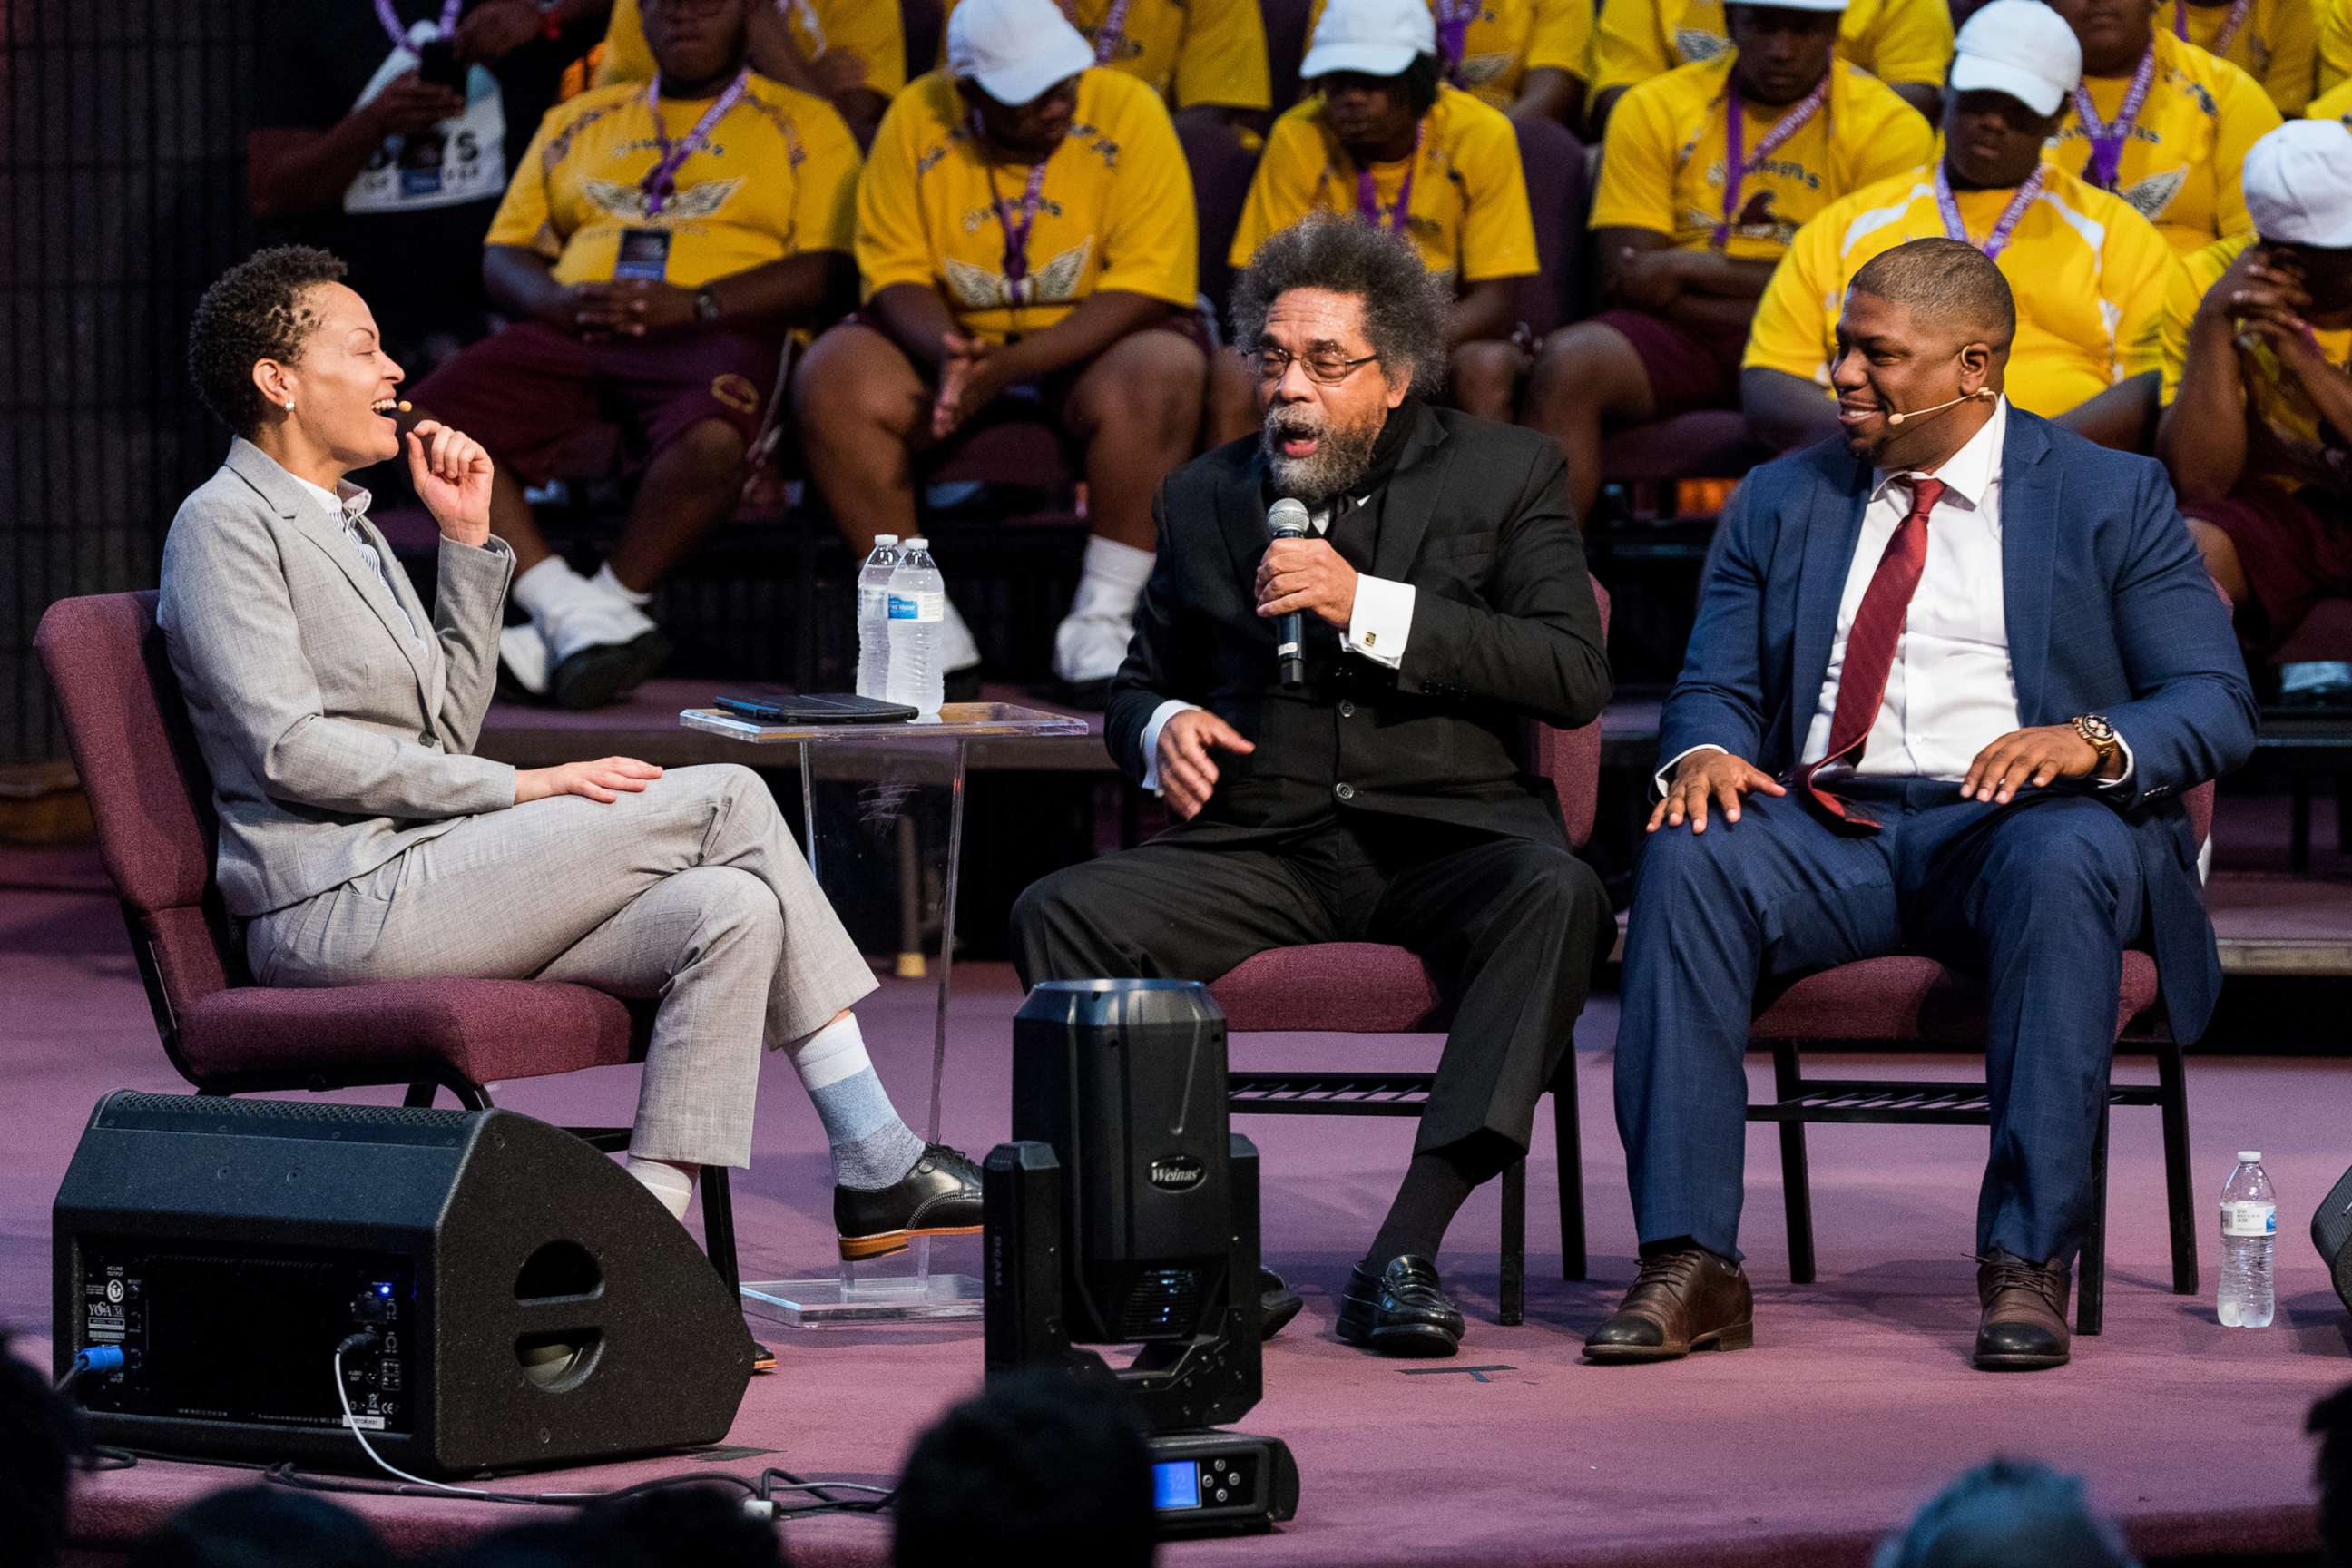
(2108, 608)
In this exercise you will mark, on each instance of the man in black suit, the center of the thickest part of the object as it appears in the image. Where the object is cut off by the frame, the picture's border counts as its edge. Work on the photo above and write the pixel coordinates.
(1388, 796)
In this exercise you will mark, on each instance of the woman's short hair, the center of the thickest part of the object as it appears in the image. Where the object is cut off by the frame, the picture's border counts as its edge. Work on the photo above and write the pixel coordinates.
(1405, 303)
(254, 311)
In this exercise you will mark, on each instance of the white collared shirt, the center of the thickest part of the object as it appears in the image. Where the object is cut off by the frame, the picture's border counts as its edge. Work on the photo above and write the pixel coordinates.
(346, 504)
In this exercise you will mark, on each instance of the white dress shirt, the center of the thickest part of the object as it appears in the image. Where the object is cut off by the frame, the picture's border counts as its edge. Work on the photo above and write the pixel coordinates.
(1951, 691)
(1377, 630)
(346, 504)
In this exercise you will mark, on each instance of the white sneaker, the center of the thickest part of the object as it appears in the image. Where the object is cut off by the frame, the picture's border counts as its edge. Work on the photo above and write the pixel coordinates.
(1089, 648)
(522, 653)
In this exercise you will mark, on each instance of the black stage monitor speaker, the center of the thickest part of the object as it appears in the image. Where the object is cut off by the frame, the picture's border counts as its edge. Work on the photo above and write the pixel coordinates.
(2331, 1232)
(516, 1297)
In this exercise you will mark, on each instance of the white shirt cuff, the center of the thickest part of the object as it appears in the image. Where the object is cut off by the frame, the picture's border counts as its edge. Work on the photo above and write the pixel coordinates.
(1159, 717)
(2122, 780)
(1658, 782)
(1382, 622)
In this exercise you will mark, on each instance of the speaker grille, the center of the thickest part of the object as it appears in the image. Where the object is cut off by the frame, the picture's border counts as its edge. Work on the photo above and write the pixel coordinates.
(1161, 1300)
(128, 1105)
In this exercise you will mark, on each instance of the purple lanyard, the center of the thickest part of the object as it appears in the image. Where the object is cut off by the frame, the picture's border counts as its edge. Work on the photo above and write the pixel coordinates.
(1368, 200)
(2107, 137)
(1736, 169)
(1453, 19)
(2223, 39)
(391, 20)
(1017, 235)
(661, 181)
(1110, 34)
(1997, 241)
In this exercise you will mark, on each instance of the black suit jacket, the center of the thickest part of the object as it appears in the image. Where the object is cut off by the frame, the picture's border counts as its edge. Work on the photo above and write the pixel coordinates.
(1505, 630)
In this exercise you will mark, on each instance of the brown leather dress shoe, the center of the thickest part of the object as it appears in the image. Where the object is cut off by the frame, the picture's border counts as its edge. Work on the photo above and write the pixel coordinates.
(1681, 1301)
(2025, 1323)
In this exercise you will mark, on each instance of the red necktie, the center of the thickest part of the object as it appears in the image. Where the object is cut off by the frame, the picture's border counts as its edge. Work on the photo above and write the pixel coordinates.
(1870, 651)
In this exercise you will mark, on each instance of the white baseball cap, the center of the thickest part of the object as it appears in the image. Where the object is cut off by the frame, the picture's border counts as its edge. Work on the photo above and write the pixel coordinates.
(1014, 49)
(2021, 47)
(1377, 37)
(2298, 184)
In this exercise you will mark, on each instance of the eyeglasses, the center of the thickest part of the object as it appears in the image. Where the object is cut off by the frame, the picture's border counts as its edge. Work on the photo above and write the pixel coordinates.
(1327, 368)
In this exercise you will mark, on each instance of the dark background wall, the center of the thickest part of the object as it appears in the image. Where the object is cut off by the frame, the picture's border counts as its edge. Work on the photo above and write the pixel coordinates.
(122, 192)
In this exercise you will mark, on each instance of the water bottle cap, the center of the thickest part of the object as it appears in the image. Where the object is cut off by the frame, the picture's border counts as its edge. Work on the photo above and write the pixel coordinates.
(880, 539)
(2249, 1156)
(919, 543)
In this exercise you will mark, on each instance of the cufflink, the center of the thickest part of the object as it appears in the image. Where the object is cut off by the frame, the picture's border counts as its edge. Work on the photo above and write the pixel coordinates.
(1371, 639)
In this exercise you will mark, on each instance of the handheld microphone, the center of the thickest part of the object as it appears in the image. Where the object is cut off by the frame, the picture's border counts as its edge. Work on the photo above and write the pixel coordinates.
(1286, 519)
(1986, 393)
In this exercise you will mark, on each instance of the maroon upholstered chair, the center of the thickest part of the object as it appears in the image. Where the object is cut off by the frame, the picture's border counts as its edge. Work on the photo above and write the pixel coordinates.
(1555, 164)
(1371, 988)
(151, 798)
(1909, 1000)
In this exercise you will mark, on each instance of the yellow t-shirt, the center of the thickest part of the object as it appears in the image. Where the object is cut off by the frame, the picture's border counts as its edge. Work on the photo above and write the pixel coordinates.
(776, 179)
(2334, 104)
(1466, 213)
(1894, 40)
(2287, 442)
(1508, 38)
(1187, 51)
(2088, 274)
(2334, 42)
(1666, 165)
(867, 30)
(2277, 44)
(1115, 210)
(2181, 164)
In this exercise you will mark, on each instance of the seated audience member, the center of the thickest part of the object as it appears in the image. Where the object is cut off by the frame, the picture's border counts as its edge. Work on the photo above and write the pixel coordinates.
(2009, 666)
(2159, 122)
(1206, 55)
(262, 1527)
(2331, 1421)
(851, 53)
(2257, 428)
(2088, 273)
(1528, 58)
(2276, 42)
(38, 1441)
(656, 243)
(1039, 1468)
(359, 147)
(1386, 138)
(2008, 1514)
(1687, 242)
(1906, 44)
(1025, 240)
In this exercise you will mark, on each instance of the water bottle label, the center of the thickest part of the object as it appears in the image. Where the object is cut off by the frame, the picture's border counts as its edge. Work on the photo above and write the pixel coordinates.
(2248, 1218)
(918, 606)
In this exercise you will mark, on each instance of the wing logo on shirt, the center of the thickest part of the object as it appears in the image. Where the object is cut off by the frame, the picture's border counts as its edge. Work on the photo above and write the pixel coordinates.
(1056, 283)
(627, 202)
(1696, 44)
(2153, 195)
(1477, 70)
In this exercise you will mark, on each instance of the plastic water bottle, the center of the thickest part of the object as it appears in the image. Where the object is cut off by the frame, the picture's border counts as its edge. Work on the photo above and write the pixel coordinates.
(918, 606)
(2248, 1235)
(874, 616)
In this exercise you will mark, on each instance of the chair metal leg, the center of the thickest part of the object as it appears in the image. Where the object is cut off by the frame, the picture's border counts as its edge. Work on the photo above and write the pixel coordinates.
(719, 1226)
(420, 1096)
(1568, 1147)
(2091, 1268)
(2172, 1079)
(1511, 1305)
(1796, 1179)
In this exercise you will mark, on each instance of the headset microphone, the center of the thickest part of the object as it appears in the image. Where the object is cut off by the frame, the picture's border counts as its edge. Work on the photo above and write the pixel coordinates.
(1983, 392)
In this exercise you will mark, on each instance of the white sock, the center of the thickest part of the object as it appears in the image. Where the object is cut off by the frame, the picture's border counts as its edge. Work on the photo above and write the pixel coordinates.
(956, 650)
(669, 1181)
(604, 581)
(548, 588)
(1111, 580)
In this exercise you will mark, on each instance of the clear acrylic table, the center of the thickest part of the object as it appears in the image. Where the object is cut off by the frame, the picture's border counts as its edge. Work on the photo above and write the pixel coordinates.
(882, 804)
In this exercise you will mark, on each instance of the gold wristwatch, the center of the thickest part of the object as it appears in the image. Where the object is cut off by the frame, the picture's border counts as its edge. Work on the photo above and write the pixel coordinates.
(2095, 729)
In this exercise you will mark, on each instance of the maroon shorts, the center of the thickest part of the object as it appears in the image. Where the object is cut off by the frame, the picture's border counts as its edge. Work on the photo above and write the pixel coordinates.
(2293, 555)
(522, 392)
(1688, 372)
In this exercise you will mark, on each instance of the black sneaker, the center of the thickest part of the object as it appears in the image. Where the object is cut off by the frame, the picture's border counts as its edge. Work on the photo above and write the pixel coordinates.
(941, 1197)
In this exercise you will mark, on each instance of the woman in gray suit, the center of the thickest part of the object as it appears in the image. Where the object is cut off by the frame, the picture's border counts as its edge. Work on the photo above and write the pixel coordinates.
(360, 837)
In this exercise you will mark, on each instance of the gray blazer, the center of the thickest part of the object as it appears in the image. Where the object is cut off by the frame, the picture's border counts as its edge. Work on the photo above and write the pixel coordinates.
(335, 741)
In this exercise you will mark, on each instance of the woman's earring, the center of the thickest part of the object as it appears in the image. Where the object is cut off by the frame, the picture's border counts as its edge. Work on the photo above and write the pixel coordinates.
(289, 405)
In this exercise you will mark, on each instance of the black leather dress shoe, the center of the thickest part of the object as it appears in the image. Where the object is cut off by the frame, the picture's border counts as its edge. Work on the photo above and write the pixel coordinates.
(1277, 1304)
(1402, 1310)
(941, 1197)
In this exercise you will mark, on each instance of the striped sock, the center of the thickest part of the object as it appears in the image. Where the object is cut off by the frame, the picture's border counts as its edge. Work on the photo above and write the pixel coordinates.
(872, 1148)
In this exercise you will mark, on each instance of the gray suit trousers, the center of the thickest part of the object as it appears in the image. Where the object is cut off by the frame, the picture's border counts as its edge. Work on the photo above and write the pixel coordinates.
(692, 891)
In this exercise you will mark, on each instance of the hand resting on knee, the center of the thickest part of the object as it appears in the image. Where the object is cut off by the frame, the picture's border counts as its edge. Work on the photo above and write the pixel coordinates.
(602, 779)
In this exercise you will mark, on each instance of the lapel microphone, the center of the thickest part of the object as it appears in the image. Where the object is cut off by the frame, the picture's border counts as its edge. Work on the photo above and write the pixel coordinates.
(1984, 392)
(1286, 519)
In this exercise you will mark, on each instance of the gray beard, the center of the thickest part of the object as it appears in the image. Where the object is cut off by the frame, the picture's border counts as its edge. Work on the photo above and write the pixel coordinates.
(1342, 457)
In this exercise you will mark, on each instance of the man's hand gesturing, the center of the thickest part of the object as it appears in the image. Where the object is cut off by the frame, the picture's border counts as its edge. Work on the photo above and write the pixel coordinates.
(1704, 777)
(1187, 775)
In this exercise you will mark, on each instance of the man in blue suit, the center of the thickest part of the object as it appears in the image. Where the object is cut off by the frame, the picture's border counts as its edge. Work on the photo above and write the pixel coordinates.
(1949, 680)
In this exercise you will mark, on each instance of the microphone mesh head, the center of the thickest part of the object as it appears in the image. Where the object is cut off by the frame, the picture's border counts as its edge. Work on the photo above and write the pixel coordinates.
(1286, 519)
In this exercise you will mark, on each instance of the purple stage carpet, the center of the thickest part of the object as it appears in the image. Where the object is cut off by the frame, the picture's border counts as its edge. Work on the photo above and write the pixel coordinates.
(1856, 1403)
